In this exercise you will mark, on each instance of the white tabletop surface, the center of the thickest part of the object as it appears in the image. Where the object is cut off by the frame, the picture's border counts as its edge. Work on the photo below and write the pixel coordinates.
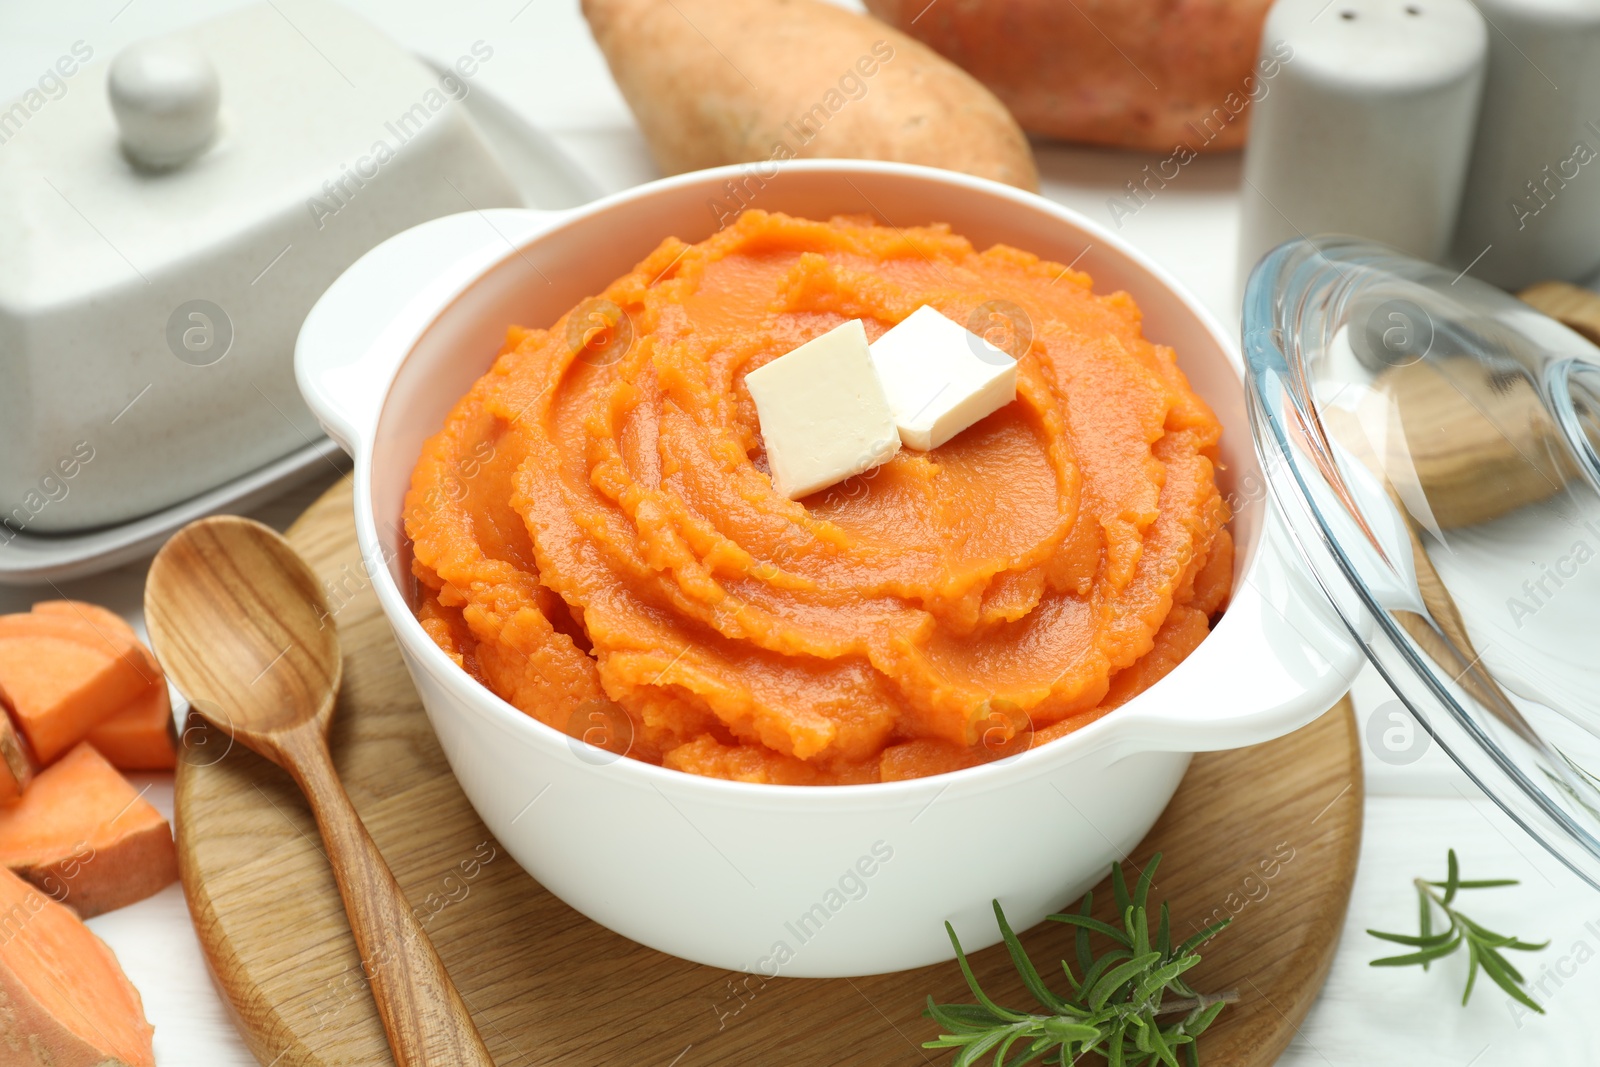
(555, 76)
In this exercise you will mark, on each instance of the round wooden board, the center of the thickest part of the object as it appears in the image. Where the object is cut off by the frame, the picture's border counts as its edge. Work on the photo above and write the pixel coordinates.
(1269, 834)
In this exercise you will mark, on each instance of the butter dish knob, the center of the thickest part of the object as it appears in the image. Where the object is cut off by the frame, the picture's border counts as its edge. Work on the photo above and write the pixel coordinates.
(165, 94)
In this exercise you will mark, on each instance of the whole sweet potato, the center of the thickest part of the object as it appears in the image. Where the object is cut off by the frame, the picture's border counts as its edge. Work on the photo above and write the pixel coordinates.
(714, 82)
(1148, 74)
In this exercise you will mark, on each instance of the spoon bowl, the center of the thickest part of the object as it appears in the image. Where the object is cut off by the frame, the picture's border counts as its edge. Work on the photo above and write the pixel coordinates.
(243, 628)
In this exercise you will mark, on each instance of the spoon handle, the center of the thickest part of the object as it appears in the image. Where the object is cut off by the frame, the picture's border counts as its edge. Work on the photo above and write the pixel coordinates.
(423, 1013)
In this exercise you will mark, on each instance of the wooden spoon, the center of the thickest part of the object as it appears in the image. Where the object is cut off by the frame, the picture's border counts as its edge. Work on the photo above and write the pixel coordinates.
(242, 628)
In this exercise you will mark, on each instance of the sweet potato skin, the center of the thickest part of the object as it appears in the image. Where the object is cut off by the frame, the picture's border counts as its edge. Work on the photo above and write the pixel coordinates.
(715, 82)
(17, 765)
(140, 865)
(1144, 74)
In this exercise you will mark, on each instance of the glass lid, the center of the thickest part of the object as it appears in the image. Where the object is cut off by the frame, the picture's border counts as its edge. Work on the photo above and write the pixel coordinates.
(1434, 446)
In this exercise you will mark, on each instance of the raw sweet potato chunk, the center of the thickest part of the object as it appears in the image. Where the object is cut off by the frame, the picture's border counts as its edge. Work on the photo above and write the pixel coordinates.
(65, 676)
(107, 624)
(140, 736)
(86, 837)
(66, 1001)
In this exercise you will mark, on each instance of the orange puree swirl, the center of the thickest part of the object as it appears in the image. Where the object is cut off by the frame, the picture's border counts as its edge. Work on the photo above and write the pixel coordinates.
(597, 540)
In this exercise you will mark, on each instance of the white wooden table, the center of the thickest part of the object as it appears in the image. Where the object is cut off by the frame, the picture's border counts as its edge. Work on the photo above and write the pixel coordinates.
(547, 66)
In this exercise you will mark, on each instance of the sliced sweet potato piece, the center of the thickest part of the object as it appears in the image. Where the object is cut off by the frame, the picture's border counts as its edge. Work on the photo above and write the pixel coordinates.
(86, 837)
(17, 765)
(140, 736)
(67, 1002)
(65, 677)
(110, 626)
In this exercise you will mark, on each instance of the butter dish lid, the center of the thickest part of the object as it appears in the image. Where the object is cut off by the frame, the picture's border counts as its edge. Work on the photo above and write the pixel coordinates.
(1433, 444)
(209, 142)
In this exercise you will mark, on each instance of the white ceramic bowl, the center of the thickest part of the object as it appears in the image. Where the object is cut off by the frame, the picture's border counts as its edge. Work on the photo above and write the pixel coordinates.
(789, 880)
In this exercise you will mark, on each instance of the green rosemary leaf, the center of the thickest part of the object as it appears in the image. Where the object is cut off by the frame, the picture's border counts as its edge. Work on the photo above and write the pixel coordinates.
(1157, 1045)
(1452, 879)
(1181, 988)
(1067, 1030)
(1164, 930)
(1481, 883)
(1110, 959)
(984, 1045)
(972, 981)
(1407, 939)
(1005, 1050)
(1500, 940)
(1486, 938)
(1473, 962)
(1086, 923)
(1420, 957)
(1114, 1045)
(1138, 924)
(1196, 1024)
(1424, 921)
(1147, 877)
(962, 1017)
(1153, 983)
(1019, 959)
(1203, 936)
(1489, 954)
(1119, 889)
(1139, 1028)
(1028, 1055)
(1081, 936)
(1073, 982)
(1117, 977)
(1495, 967)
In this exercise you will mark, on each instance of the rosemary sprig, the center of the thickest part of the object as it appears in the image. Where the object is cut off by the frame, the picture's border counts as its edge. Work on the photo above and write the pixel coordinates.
(1115, 1006)
(1483, 945)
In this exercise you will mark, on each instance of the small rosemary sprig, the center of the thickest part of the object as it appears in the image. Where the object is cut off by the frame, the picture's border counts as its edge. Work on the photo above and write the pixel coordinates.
(1483, 945)
(1114, 1008)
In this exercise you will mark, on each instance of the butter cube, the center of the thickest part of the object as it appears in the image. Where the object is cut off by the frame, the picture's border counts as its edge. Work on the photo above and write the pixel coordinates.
(940, 377)
(823, 413)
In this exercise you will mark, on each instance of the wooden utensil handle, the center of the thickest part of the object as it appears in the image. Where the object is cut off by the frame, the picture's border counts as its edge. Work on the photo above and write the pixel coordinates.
(423, 1013)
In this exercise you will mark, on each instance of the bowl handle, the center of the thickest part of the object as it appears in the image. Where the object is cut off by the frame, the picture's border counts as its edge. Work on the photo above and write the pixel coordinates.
(1279, 657)
(365, 324)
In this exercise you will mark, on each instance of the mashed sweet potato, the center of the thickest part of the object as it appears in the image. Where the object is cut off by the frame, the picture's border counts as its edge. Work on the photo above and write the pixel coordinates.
(597, 540)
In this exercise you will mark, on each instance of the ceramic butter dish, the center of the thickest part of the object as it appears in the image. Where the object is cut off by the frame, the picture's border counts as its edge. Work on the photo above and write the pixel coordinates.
(167, 222)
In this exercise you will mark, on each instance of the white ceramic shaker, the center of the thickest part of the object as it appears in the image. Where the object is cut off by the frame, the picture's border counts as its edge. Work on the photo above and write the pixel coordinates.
(1531, 211)
(1367, 127)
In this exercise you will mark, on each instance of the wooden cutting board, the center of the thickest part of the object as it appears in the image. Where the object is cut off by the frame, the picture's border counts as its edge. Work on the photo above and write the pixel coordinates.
(1268, 833)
